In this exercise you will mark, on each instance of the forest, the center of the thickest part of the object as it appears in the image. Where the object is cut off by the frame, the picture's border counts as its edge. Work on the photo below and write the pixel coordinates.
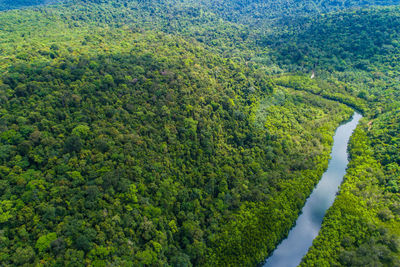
(14, 4)
(180, 133)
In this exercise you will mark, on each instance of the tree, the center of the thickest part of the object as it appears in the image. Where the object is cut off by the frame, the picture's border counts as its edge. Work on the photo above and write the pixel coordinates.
(43, 243)
(73, 144)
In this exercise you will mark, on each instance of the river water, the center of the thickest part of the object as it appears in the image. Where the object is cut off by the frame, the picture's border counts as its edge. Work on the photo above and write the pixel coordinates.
(292, 249)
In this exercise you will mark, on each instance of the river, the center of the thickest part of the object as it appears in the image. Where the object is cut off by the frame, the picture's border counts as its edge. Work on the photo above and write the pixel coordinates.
(292, 249)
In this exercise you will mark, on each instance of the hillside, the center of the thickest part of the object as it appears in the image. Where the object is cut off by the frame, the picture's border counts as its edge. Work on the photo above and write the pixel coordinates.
(256, 12)
(362, 226)
(177, 133)
(14, 4)
(146, 150)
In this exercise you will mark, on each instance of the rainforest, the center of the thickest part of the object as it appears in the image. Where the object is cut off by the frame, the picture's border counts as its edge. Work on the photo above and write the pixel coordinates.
(191, 133)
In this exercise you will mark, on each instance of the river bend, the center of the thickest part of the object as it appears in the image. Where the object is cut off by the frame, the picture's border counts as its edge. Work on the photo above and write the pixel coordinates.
(292, 249)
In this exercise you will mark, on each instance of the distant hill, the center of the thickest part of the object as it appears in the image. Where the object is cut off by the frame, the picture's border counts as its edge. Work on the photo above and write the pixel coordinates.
(13, 4)
(262, 10)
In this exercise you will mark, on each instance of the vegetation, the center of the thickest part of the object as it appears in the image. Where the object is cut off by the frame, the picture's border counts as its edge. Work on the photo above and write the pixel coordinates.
(12, 4)
(177, 133)
(361, 228)
(148, 150)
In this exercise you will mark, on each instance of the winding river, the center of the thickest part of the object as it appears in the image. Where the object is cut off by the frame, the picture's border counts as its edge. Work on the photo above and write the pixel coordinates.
(292, 249)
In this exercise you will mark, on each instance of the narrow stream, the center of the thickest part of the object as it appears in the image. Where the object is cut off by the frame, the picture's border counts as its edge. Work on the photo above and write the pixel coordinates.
(292, 249)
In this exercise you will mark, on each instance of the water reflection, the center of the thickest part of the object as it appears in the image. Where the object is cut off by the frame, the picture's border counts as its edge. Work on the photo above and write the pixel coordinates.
(290, 252)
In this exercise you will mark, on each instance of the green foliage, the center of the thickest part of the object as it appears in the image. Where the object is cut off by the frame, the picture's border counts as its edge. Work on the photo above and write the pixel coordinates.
(359, 229)
(43, 243)
(6, 208)
(148, 133)
(150, 150)
(12, 4)
(82, 131)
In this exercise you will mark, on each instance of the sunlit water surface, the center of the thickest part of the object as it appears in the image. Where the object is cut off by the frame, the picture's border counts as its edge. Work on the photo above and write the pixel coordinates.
(290, 252)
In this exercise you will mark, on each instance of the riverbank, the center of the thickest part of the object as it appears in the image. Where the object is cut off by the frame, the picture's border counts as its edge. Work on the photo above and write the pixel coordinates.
(362, 226)
(295, 246)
